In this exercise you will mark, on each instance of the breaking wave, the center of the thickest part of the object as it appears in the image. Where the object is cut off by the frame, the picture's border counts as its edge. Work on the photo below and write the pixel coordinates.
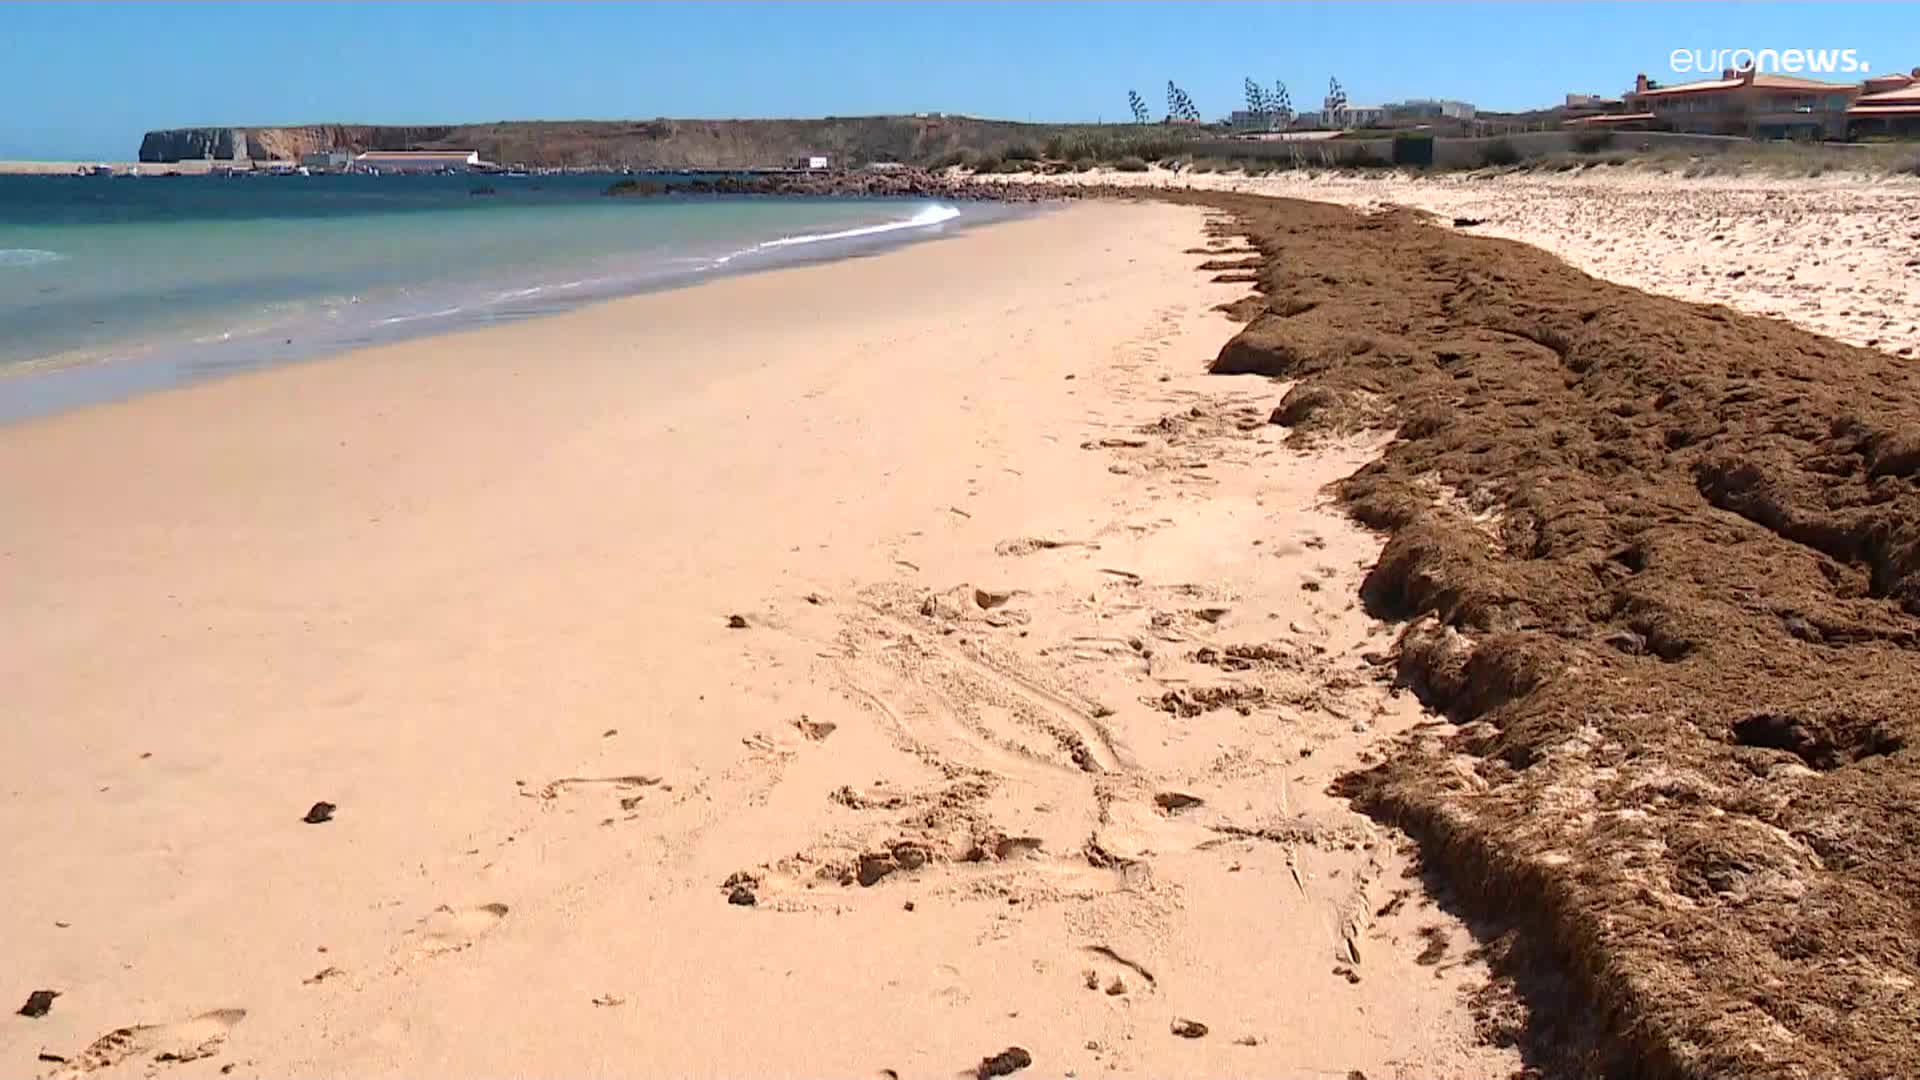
(932, 215)
(11, 258)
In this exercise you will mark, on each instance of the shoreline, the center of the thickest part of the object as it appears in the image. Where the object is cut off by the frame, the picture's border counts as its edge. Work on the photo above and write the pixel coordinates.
(983, 631)
(978, 628)
(32, 389)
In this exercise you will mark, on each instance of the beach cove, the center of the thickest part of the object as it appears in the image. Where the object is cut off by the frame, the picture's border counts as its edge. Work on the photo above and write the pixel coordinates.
(114, 287)
(816, 672)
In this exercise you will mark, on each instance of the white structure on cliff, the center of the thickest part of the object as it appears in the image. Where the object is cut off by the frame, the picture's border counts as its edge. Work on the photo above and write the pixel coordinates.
(419, 161)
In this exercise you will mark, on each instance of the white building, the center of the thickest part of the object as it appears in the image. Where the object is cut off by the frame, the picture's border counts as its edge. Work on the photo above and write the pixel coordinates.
(1248, 120)
(1431, 109)
(418, 161)
(1363, 116)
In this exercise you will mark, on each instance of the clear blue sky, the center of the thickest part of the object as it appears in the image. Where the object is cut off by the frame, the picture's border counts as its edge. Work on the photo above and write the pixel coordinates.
(84, 80)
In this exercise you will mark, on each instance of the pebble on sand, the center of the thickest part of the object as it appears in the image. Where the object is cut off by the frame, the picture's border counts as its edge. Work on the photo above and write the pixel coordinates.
(1189, 1029)
(1004, 1063)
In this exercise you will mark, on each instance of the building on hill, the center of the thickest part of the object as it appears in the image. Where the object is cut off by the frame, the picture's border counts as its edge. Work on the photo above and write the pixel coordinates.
(1597, 110)
(1430, 109)
(1890, 105)
(416, 161)
(1748, 102)
(1363, 116)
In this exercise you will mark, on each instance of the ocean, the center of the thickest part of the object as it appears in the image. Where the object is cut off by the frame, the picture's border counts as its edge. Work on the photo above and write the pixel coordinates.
(116, 286)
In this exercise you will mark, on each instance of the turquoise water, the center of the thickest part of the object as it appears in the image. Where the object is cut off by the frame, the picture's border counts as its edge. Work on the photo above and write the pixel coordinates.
(111, 286)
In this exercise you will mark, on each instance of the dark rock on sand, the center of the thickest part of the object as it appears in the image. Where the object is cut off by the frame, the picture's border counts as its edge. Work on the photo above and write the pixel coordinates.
(319, 813)
(740, 886)
(1005, 1063)
(38, 1003)
(1175, 801)
(1189, 1029)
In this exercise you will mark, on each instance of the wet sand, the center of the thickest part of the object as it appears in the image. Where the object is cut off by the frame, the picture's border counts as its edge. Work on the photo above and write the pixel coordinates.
(869, 666)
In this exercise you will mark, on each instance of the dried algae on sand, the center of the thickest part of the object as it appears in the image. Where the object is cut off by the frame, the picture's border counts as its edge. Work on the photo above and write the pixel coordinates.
(1660, 566)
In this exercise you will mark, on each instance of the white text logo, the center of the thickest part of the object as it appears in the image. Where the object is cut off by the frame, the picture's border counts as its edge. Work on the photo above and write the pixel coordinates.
(1783, 61)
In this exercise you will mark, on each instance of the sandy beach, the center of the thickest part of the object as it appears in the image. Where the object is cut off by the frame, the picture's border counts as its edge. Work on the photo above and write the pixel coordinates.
(862, 669)
(1837, 254)
(69, 168)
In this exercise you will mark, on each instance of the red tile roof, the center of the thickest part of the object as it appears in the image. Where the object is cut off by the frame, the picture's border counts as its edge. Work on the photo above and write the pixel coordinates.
(1688, 88)
(1903, 96)
(1788, 82)
(1611, 118)
(1760, 81)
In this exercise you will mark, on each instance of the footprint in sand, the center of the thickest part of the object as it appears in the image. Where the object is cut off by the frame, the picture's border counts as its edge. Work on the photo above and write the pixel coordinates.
(555, 788)
(187, 1040)
(446, 930)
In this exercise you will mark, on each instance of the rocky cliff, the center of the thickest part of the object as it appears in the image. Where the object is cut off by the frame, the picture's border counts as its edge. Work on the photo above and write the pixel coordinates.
(639, 144)
(284, 143)
(187, 144)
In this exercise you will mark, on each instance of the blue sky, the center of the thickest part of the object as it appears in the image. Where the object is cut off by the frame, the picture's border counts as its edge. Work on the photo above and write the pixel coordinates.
(84, 80)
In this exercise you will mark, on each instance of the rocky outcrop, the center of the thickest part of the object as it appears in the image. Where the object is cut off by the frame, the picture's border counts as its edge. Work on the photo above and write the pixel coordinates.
(903, 182)
(289, 143)
(192, 144)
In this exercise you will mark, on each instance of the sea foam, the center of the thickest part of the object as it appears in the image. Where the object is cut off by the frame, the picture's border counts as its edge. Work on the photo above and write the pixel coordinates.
(12, 258)
(931, 215)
